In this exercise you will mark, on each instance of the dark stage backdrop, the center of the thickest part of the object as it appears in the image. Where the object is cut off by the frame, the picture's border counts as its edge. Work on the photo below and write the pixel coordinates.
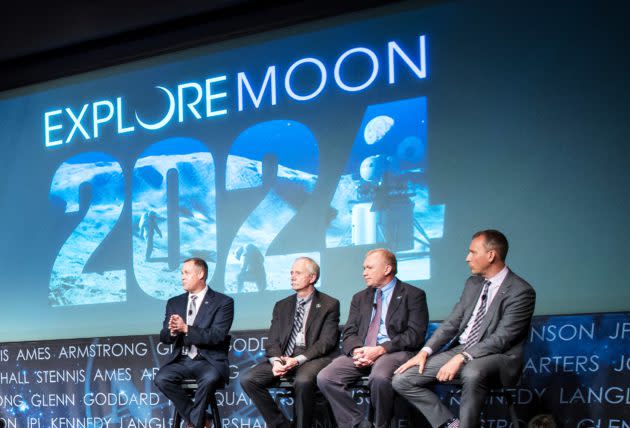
(405, 127)
(577, 368)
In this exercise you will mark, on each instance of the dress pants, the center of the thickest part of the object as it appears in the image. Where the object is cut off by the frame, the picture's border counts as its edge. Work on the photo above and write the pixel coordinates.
(333, 381)
(169, 378)
(476, 378)
(259, 378)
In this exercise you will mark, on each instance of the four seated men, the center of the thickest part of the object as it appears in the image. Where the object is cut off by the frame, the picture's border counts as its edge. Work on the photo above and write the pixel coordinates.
(479, 345)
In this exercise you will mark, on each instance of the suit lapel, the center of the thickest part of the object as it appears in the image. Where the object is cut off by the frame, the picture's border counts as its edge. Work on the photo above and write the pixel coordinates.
(205, 308)
(496, 302)
(394, 302)
(313, 312)
(470, 306)
(289, 311)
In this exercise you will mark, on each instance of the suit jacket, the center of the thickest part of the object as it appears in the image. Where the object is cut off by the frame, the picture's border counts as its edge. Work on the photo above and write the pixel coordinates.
(210, 331)
(505, 325)
(322, 326)
(407, 319)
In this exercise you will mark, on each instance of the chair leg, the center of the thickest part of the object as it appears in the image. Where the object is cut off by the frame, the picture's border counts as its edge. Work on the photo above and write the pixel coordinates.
(177, 420)
(511, 409)
(215, 411)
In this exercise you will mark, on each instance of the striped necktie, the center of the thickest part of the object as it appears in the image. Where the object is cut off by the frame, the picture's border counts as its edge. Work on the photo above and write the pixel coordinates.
(473, 336)
(297, 326)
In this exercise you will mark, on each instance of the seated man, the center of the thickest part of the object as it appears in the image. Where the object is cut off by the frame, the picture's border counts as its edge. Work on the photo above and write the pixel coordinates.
(387, 321)
(197, 323)
(484, 333)
(304, 332)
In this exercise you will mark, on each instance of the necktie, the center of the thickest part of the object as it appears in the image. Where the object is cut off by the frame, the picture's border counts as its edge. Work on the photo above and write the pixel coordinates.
(297, 326)
(473, 336)
(375, 324)
(190, 319)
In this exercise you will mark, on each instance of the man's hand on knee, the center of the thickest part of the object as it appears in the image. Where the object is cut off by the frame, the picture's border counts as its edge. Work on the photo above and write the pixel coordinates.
(419, 360)
(449, 370)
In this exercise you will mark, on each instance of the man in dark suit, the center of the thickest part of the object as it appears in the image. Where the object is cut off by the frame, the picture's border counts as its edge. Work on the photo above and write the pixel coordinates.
(483, 336)
(304, 332)
(387, 321)
(197, 323)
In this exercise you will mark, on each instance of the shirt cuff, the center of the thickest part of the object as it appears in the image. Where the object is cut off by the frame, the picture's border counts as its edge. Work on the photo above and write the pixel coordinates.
(468, 356)
(273, 360)
(428, 350)
(301, 359)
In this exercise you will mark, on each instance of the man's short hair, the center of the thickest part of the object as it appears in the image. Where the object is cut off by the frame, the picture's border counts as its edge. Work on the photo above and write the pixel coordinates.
(311, 266)
(390, 258)
(200, 264)
(494, 240)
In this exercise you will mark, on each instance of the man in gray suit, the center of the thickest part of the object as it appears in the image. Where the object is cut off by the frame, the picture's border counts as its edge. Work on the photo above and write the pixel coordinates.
(304, 334)
(483, 337)
(387, 322)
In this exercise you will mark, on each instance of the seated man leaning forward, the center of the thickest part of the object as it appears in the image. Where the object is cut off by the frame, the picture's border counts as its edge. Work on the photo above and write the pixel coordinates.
(484, 336)
(197, 323)
(387, 321)
(304, 332)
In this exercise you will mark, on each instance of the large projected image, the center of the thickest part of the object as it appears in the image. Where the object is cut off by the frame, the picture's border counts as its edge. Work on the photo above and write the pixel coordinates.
(381, 199)
(248, 159)
(408, 127)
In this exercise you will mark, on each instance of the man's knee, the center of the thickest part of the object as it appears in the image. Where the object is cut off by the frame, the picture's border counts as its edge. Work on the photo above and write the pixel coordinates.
(472, 375)
(379, 379)
(210, 378)
(162, 379)
(402, 382)
(246, 379)
(303, 383)
(323, 379)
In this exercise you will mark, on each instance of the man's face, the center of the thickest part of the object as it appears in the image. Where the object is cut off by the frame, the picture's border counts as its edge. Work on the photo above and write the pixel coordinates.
(479, 259)
(375, 271)
(301, 279)
(192, 278)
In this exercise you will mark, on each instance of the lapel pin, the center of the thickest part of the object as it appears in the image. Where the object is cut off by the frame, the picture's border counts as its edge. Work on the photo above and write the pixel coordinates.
(318, 305)
(399, 297)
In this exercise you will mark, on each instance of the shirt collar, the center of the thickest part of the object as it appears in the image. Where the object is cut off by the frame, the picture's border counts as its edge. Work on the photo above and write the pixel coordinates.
(306, 299)
(499, 277)
(199, 295)
(388, 287)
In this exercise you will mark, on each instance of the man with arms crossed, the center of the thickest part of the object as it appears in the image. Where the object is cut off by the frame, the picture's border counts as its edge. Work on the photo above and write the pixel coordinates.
(387, 321)
(484, 336)
(304, 332)
(197, 323)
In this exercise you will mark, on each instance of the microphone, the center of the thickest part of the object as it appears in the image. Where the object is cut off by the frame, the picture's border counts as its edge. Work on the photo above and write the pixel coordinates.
(190, 312)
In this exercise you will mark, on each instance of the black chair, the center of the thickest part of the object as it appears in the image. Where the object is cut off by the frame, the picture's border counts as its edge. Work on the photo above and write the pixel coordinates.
(360, 389)
(286, 390)
(190, 386)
